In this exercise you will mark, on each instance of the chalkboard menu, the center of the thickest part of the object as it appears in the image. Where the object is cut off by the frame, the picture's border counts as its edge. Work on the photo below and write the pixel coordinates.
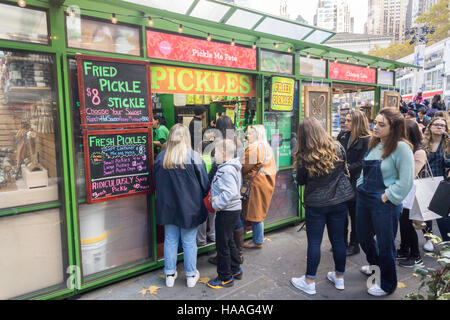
(113, 92)
(118, 163)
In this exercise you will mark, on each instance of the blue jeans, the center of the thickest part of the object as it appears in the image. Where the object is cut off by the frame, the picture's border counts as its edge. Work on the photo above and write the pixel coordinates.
(172, 235)
(373, 217)
(316, 219)
(258, 232)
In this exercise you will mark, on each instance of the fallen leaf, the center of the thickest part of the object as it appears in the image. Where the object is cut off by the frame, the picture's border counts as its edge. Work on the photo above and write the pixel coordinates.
(153, 289)
(204, 280)
(268, 239)
(401, 285)
(143, 292)
(162, 276)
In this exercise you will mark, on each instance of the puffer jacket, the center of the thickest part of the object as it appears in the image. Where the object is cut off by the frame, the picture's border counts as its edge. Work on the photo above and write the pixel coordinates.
(226, 186)
(329, 189)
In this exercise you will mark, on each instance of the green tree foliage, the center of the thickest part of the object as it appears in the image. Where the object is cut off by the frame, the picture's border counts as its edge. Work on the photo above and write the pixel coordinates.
(437, 17)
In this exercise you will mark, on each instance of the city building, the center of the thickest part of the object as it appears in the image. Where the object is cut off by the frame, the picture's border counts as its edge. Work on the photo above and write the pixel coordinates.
(420, 6)
(334, 15)
(389, 17)
(361, 43)
(436, 64)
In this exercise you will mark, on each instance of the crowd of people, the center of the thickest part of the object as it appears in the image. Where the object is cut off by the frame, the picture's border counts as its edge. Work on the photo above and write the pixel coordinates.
(215, 189)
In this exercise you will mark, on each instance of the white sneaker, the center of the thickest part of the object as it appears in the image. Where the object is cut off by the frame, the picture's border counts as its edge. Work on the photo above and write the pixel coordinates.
(428, 246)
(366, 270)
(170, 280)
(301, 284)
(376, 291)
(191, 281)
(338, 282)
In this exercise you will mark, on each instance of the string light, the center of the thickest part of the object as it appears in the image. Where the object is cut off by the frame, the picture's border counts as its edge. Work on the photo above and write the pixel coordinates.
(335, 60)
(208, 37)
(254, 45)
(180, 28)
(379, 68)
(308, 55)
(22, 3)
(150, 21)
(71, 12)
(321, 58)
(290, 49)
(232, 42)
(357, 61)
(368, 67)
(113, 18)
(275, 45)
(348, 59)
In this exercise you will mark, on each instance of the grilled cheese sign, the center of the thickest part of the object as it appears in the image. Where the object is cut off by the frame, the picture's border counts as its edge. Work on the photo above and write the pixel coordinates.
(167, 79)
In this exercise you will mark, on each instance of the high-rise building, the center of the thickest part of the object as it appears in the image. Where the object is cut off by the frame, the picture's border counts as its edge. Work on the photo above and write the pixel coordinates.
(419, 7)
(333, 15)
(388, 17)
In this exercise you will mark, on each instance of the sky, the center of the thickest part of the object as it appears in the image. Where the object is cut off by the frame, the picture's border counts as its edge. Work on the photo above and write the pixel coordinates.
(307, 9)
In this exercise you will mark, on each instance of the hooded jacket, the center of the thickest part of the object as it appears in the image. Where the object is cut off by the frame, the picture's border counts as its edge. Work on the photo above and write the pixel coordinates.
(226, 186)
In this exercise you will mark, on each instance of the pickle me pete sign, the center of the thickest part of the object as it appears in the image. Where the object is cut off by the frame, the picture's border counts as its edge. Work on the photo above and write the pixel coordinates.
(347, 72)
(178, 48)
(113, 92)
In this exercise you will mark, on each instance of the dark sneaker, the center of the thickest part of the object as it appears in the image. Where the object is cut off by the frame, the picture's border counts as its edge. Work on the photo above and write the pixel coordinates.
(411, 262)
(352, 249)
(401, 255)
(238, 275)
(219, 284)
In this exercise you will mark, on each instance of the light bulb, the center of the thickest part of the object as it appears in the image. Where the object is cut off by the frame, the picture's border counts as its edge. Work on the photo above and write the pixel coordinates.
(308, 55)
(22, 3)
(208, 37)
(290, 49)
(275, 45)
(150, 21)
(180, 28)
(113, 18)
(254, 45)
(232, 42)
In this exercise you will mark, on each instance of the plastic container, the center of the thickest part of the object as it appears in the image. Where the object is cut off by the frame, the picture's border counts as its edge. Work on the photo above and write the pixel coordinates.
(93, 254)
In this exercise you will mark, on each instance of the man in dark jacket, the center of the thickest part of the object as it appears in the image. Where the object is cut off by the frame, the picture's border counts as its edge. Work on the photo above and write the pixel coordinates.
(195, 128)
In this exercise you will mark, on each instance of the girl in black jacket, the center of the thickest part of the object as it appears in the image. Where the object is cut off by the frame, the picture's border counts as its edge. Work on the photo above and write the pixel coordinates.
(320, 166)
(354, 138)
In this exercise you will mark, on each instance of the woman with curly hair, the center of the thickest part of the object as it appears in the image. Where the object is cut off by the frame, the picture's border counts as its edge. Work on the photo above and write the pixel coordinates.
(437, 145)
(321, 167)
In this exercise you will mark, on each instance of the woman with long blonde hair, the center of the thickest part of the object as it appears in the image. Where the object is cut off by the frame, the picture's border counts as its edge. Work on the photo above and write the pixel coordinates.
(354, 137)
(259, 169)
(181, 183)
(320, 167)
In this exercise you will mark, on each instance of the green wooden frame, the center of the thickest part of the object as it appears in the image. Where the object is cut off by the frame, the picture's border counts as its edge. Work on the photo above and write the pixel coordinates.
(57, 46)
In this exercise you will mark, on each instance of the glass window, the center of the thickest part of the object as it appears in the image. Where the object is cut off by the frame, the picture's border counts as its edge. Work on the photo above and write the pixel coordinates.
(209, 11)
(312, 67)
(448, 83)
(23, 24)
(33, 255)
(113, 233)
(28, 130)
(243, 19)
(95, 35)
(276, 62)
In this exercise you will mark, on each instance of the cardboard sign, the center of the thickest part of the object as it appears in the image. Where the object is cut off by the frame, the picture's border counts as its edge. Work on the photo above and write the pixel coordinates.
(317, 105)
(113, 92)
(391, 99)
(282, 94)
(117, 163)
(180, 48)
(167, 79)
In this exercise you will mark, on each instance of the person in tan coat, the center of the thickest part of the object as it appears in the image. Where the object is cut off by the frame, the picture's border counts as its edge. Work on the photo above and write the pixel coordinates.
(260, 170)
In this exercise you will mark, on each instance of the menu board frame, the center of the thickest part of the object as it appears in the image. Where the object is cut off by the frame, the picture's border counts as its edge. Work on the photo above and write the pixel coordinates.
(310, 110)
(86, 134)
(281, 108)
(84, 125)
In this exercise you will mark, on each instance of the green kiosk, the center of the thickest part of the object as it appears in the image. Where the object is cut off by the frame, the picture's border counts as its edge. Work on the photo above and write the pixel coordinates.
(80, 82)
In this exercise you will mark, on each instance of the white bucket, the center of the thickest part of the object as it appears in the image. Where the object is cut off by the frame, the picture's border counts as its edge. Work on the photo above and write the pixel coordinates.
(92, 221)
(93, 255)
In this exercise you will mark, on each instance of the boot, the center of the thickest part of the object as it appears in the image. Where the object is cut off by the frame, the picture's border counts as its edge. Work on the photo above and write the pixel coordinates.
(239, 241)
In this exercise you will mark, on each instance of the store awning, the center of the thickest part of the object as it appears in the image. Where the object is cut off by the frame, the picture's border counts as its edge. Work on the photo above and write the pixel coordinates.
(245, 18)
(226, 22)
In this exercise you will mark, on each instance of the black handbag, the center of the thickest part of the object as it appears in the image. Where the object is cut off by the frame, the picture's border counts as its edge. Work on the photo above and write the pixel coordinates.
(440, 203)
(246, 183)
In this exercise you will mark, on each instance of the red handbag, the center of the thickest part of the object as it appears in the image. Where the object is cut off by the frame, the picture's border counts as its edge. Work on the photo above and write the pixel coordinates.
(207, 201)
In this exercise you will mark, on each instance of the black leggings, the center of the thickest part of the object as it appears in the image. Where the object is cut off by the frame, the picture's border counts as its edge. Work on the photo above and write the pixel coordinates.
(409, 242)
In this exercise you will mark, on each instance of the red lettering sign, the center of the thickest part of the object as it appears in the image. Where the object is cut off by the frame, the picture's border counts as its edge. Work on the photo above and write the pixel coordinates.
(178, 48)
(348, 72)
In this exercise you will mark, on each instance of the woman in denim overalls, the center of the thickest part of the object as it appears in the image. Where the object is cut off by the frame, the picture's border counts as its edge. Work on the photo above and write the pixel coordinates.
(386, 179)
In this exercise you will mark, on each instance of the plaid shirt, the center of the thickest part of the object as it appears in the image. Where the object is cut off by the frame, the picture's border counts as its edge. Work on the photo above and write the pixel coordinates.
(438, 162)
